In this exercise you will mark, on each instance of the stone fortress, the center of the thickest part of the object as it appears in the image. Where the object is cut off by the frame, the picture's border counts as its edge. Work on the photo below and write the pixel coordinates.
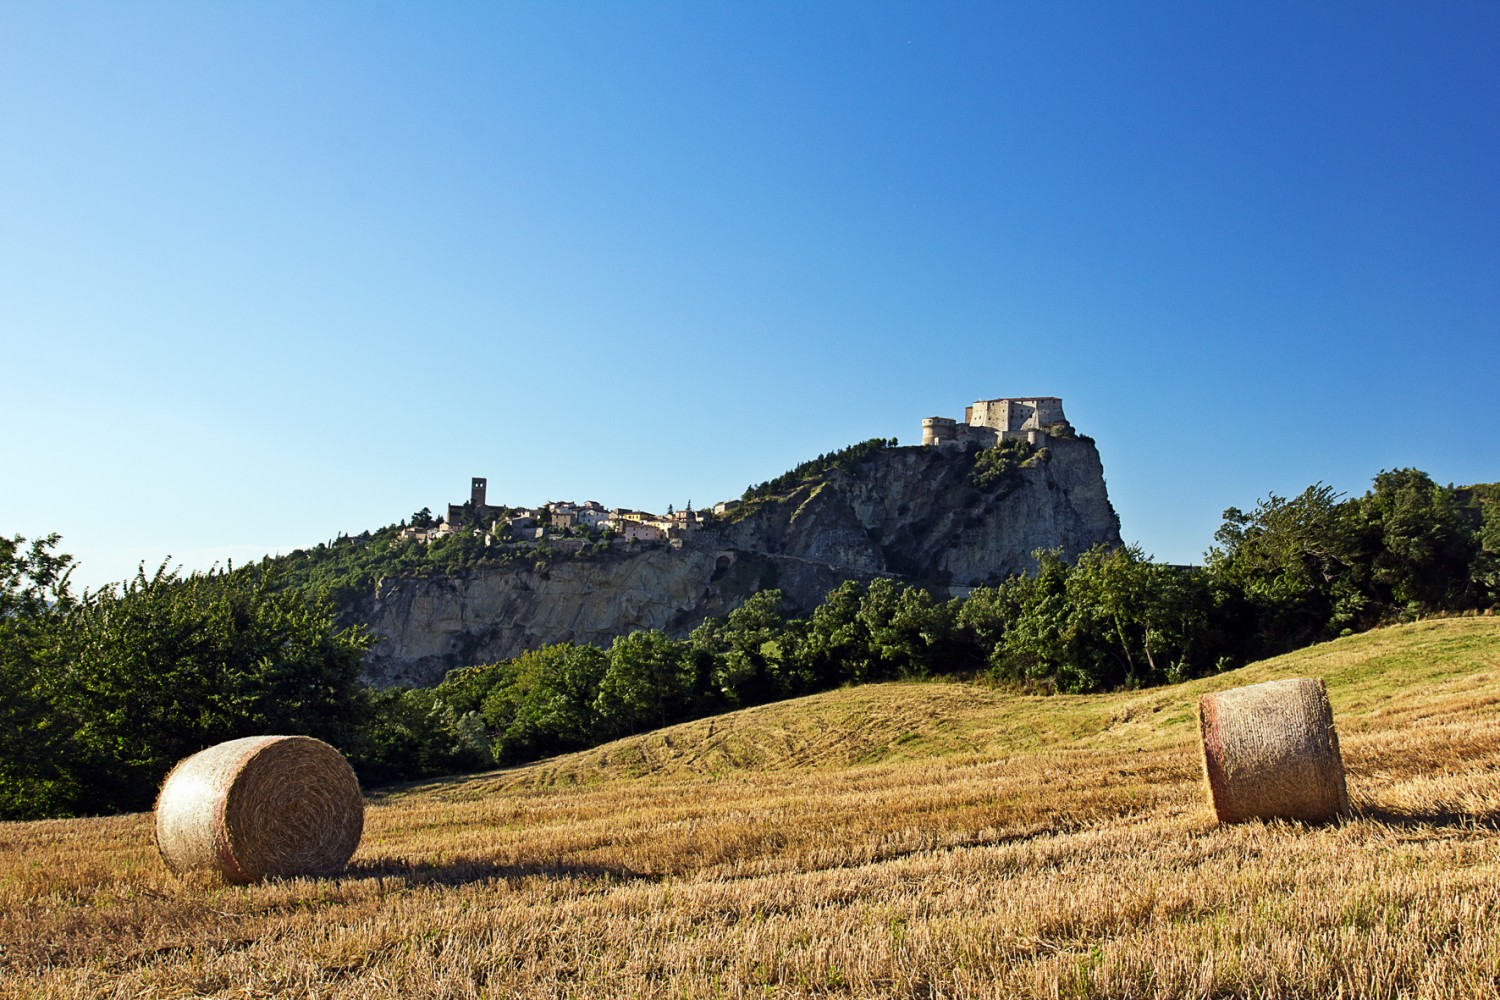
(987, 422)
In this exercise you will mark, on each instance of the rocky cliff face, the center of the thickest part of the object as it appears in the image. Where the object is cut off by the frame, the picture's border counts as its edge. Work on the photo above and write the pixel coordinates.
(426, 627)
(913, 513)
(916, 513)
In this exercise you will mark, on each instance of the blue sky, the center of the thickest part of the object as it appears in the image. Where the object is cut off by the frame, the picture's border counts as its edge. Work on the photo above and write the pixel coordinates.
(271, 272)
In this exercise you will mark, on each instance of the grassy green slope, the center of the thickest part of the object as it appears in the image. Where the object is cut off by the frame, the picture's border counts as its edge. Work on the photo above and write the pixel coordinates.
(1428, 673)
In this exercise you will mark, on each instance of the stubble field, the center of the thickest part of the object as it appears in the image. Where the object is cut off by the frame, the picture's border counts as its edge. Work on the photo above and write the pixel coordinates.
(908, 840)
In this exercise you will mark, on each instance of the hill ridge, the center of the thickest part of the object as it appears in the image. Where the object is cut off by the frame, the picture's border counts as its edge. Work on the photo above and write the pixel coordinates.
(918, 514)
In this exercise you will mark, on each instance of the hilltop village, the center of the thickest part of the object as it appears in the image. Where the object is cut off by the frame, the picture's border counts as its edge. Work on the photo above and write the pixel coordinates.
(986, 423)
(558, 519)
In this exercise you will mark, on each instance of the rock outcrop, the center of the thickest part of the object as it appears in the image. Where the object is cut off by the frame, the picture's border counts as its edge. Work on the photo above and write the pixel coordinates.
(425, 627)
(919, 514)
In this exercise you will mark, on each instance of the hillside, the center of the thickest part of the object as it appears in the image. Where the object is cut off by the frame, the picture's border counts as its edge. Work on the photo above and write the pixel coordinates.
(892, 840)
(937, 517)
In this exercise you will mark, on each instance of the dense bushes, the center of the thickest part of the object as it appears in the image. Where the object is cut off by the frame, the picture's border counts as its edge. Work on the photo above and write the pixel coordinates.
(566, 696)
(1111, 619)
(997, 465)
(348, 568)
(102, 694)
(1294, 571)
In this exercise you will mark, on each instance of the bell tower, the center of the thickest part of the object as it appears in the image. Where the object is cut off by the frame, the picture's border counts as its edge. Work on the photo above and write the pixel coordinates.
(477, 488)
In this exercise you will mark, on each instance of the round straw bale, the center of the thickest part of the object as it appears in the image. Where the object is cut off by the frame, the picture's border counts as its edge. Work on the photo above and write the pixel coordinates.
(259, 806)
(1270, 750)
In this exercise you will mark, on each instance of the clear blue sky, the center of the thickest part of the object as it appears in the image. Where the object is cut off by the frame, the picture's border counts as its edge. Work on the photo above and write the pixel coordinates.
(273, 271)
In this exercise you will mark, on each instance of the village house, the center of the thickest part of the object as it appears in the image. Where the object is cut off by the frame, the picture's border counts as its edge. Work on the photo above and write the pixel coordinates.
(563, 515)
(521, 521)
(641, 531)
(591, 514)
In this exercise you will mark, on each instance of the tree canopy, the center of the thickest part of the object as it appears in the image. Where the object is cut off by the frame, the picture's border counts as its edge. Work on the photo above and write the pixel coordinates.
(102, 694)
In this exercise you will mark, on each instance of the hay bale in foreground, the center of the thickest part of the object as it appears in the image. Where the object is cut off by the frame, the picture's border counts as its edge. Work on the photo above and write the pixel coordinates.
(1270, 751)
(259, 806)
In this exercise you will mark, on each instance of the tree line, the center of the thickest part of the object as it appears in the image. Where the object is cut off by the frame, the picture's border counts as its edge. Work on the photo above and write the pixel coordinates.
(1288, 573)
(99, 695)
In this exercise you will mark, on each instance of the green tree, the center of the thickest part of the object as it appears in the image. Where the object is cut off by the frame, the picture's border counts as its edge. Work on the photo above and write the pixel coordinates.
(1290, 571)
(39, 762)
(748, 657)
(132, 679)
(836, 644)
(33, 579)
(1033, 648)
(909, 635)
(1421, 543)
(546, 704)
(1485, 569)
(1132, 622)
(983, 619)
(415, 733)
(648, 683)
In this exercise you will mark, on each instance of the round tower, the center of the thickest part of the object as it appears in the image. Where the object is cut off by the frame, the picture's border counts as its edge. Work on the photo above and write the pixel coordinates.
(937, 430)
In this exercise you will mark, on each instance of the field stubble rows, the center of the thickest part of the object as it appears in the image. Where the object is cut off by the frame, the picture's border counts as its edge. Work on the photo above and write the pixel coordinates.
(922, 840)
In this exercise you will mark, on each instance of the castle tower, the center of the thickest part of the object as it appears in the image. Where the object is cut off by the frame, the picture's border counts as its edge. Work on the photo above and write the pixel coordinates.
(477, 488)
(936, 430)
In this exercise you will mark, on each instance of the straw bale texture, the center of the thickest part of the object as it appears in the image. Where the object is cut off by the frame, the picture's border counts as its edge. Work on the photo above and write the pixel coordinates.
(260, 806)
(1270, 751)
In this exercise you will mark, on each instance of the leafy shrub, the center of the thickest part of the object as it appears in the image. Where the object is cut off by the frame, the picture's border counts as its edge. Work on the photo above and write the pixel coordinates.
(996, 466)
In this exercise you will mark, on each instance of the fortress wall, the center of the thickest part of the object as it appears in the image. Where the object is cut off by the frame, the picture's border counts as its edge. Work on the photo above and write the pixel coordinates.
(1049, 411)
(987, 421)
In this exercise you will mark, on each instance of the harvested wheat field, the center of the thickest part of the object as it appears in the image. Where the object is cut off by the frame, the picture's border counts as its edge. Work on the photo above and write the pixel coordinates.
(907, 840)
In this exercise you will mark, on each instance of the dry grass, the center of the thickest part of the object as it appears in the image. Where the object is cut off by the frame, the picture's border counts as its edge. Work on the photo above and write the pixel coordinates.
(914, 840)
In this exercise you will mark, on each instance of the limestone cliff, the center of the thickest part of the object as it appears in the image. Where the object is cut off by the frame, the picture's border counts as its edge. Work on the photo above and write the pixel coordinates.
(917, 513)
(913, 513)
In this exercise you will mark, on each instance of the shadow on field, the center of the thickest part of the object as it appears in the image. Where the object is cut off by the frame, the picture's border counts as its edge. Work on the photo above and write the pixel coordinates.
(462, 871)
(1488, 819)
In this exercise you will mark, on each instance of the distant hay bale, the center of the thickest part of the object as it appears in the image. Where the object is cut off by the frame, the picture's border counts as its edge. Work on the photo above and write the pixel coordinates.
(1270, 751)
(260, 806)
